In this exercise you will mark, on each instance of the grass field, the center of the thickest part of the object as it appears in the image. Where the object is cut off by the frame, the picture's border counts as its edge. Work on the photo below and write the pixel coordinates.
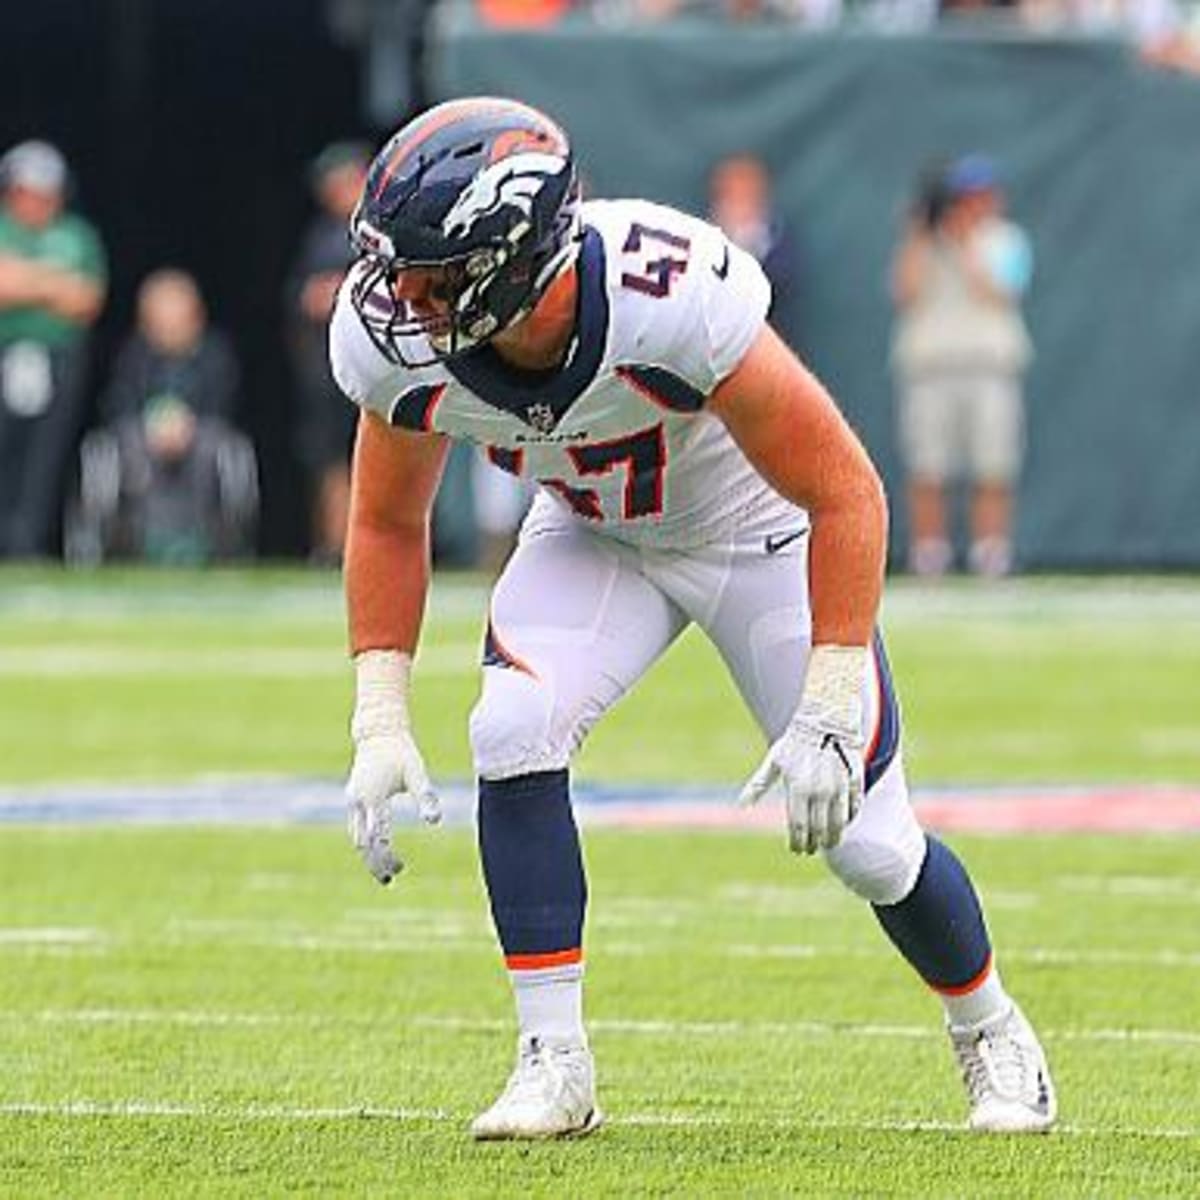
(241, 1011)
(136, 676)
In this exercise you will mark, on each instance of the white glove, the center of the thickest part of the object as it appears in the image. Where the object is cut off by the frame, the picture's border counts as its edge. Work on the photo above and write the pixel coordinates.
(819, 757)
(387, 762)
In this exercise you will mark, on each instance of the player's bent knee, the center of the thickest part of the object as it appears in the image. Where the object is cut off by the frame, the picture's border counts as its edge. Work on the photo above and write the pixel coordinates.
(511, 727)
(880, 866)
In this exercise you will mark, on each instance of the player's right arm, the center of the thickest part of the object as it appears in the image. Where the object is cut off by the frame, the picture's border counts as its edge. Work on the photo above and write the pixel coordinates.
(393, 482)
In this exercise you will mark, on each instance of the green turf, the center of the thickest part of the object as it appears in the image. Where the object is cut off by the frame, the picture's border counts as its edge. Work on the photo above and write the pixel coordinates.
(251, 991)
(138, 675)
(204, 1011)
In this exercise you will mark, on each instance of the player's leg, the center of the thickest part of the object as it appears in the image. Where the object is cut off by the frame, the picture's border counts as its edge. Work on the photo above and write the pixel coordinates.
(572, 626)
(758, 616)
(995, 445)
(927, 443)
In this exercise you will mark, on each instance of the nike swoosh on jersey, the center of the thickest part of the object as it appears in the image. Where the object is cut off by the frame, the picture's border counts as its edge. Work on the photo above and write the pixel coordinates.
(775, 542)
(722, 271)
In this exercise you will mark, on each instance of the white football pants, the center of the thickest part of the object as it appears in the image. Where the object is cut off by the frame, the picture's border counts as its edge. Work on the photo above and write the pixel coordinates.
(577, 617)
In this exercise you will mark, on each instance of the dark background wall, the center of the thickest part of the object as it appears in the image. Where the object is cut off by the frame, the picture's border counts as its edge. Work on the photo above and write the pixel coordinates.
(1100, 158)
(189, 125)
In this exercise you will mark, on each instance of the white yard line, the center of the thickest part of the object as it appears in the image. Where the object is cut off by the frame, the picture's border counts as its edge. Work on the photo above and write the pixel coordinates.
(463, 937)
(74, 661)
(1035, 954)
(1147, 888)
(50, 935)
(614, 1026)
(91, 1109)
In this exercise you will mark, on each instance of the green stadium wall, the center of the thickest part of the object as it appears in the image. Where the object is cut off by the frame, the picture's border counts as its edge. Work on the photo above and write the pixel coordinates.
(1101, 160)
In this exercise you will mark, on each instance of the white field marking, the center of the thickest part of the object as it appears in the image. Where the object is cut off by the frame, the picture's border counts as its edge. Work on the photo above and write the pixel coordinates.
(248, 599)
(617, 1027)
(1037, 954)
(455, 940)
(1045, 600)
(1169, 739)
(49, 935)
(461, 936)
(74, 661)
(87, 1109)
(1144, 887)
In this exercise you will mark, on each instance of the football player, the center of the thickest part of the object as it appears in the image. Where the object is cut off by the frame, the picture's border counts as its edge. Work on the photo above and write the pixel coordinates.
(689, 469)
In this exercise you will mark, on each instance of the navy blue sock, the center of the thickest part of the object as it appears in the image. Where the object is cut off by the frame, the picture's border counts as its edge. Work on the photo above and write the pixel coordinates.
(533, 867)
(939, 925)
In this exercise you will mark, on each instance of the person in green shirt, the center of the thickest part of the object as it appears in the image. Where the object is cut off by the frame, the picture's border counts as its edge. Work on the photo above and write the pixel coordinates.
(52, 289)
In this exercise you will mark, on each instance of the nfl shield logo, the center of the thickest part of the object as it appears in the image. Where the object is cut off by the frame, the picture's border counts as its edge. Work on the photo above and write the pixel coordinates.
(540, 416)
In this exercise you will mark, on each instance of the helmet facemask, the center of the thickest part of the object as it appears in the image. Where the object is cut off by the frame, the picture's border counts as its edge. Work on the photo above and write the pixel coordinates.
(496, 233)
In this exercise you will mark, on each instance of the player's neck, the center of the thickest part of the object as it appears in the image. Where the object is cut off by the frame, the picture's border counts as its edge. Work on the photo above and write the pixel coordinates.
(540, 341)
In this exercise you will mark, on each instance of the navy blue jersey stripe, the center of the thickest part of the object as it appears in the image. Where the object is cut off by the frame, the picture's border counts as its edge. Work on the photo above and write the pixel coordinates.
(888, 741)
(507, 460)
(518, 392)
(663, 387)
(413, 409)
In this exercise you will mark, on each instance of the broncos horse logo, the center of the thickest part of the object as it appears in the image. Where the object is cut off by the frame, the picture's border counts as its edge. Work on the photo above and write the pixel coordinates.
(514, 181)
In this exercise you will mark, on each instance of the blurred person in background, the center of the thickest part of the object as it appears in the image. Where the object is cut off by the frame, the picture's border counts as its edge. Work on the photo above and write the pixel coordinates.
(523, 14)
(810, 14)
(182, 485)
(325, 423)
(52, 289)
(1163, 32)
(959, 354)
(741, 205)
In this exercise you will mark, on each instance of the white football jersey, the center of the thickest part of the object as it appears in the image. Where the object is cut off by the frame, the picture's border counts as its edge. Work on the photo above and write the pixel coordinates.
(667, 308)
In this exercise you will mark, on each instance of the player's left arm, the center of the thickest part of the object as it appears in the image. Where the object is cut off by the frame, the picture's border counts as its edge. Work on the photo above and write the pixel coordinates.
(790, 429)
(788, 426)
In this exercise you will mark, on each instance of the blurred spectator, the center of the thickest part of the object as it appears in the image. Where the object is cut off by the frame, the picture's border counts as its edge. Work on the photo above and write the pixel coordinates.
(812, 14)
(325, 421)
(167, 478)
(959, 353)
(1007, 9)
(1159, 29)
(52, 288)
(740, 202)
(522, 14)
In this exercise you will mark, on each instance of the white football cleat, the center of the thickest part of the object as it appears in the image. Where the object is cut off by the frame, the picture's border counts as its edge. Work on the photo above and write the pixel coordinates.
(1007, 1077)
(551, 1094)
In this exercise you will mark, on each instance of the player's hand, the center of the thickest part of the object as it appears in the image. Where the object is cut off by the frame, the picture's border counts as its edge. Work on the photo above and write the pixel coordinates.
(387, 768)
(818, 760)
(821, 770)
(387, 764)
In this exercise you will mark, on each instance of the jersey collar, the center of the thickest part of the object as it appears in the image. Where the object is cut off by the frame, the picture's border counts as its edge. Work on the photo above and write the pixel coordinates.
(541, 398)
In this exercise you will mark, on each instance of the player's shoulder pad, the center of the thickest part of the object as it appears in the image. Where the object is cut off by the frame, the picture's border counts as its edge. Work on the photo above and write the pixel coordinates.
(367, 377)
(685, 298)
